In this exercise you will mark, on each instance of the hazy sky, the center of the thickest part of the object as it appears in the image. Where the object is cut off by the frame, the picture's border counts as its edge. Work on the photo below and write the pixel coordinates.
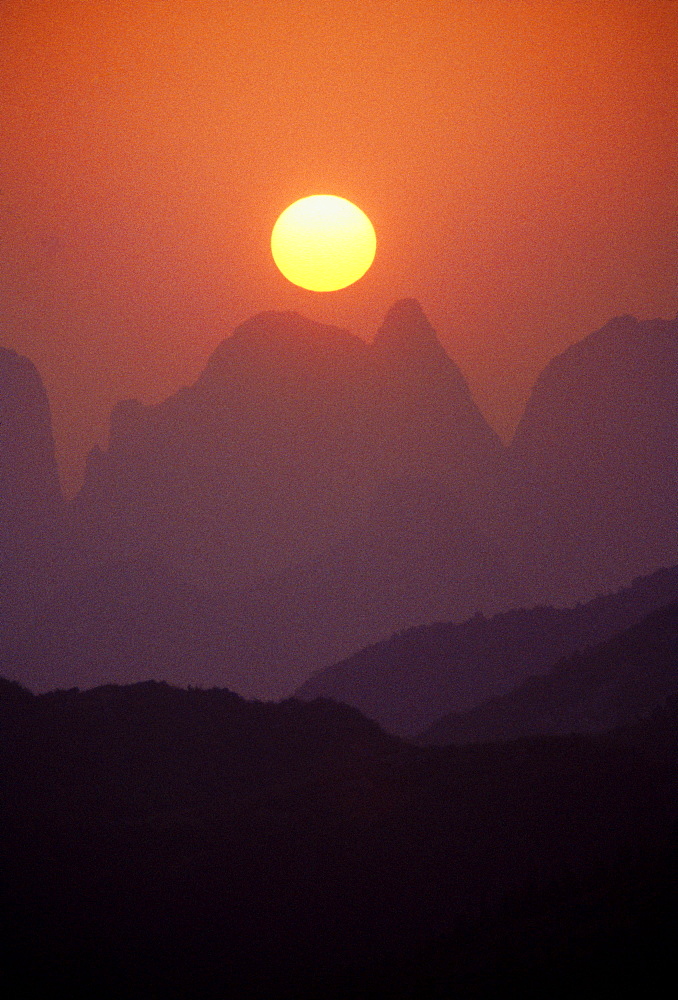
(519, 161)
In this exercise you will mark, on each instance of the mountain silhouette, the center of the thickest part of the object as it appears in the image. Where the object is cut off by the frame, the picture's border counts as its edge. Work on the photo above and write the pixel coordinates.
(594, 462)
(30, 496)
(413, 679)
(608, 685)
(291, 433)
(311, 494)
(308, 496)
(435, 427)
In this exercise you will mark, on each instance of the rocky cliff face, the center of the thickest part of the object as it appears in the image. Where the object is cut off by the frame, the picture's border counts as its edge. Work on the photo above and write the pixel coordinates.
(30, 497)
(629, 677)
(436, 429)
(424, 674)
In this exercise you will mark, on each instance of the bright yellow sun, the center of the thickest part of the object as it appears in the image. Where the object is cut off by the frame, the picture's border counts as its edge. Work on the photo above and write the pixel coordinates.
(323, 243)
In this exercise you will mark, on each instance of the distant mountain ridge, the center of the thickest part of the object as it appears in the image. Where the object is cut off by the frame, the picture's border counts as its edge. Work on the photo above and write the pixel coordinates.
(414, 679)
(609, 685)
(293, 429)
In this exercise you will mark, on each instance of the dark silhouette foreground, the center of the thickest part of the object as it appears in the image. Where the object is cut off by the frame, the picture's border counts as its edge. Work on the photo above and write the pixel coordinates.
(169, 843)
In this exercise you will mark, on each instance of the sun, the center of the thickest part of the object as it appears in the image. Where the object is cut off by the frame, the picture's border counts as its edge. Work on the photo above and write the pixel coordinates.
(323, 243)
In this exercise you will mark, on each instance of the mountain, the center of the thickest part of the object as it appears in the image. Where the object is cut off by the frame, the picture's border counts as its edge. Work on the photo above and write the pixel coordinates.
(30, 495)
(163, 842)
(292, 434)
(310, 493)
(411, 680)
(608, 685)
(434, 429)
(594, 463)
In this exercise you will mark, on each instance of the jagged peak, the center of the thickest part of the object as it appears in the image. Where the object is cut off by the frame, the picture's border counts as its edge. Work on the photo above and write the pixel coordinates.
(406, 327)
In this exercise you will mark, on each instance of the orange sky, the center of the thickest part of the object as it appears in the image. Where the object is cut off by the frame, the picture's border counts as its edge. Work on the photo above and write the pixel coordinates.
(519, 161)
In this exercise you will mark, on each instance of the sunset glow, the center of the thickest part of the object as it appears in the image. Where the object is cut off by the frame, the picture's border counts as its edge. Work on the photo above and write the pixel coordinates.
(517, 161)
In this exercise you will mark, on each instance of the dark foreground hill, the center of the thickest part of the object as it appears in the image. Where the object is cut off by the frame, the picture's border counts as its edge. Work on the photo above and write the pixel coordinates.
(608, 685)
(166, 843)
(413, 679)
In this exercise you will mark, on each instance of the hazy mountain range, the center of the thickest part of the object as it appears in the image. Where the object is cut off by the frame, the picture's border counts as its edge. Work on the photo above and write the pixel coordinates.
(311, 494)
(413, 679)
(614, 683)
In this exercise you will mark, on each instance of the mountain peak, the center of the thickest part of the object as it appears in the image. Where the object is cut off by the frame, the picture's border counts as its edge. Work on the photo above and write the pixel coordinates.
(406, 329)
(27, 461)
(284, 324)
